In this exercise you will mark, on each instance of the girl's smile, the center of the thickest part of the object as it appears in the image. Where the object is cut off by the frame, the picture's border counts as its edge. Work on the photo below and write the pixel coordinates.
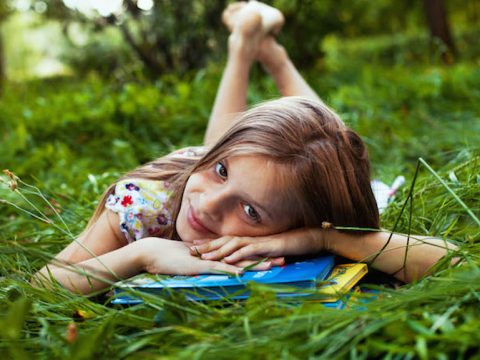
(196, 224)
(236, 196)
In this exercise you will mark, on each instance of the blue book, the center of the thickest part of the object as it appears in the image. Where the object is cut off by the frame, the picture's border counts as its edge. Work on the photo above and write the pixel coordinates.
(299, 275)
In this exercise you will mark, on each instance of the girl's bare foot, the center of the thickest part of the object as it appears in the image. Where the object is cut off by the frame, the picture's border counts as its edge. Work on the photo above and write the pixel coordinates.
(272, 19)
(230, 14)
(244, 41)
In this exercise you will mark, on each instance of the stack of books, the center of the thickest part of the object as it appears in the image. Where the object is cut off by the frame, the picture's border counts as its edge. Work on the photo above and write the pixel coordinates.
(317, 279)
(339, 286)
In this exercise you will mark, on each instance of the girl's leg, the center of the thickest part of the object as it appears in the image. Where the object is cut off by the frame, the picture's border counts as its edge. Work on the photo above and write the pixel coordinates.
(277, 63)
(231, 95)
(249, 22)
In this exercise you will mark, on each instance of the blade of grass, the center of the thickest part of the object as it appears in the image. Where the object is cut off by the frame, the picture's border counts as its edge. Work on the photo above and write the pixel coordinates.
(449, 189)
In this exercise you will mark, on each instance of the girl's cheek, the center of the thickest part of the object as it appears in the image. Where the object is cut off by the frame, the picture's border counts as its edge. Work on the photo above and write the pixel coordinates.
(196, 182)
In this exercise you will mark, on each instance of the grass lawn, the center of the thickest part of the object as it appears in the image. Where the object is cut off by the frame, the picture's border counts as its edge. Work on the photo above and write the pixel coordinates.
(69, 138)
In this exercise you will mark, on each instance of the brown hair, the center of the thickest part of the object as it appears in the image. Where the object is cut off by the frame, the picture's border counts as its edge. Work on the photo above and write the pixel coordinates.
(326, 171)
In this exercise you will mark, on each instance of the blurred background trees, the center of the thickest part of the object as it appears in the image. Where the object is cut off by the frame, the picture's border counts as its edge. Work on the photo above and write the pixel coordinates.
(163, 36)
(150, 38)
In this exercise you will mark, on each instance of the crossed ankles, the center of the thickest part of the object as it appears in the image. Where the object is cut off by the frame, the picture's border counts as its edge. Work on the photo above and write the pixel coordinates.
(253, 27)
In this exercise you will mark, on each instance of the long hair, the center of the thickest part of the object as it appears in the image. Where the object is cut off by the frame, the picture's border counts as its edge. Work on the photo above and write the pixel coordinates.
(324, 166)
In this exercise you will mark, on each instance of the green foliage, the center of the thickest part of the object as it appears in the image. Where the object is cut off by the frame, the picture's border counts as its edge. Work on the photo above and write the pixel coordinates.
(105, 54)
(394, 50)
(104, 126)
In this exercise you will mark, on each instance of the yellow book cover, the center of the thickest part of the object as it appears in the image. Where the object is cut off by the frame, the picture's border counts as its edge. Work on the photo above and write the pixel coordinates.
(341, 280)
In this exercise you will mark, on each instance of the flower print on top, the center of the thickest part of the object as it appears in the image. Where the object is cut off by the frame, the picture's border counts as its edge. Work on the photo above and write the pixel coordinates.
(126, 201)
(162, 219)
(132, 186)
(144, 206)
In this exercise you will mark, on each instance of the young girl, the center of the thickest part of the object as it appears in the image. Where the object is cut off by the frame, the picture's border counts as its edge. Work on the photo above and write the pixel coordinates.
(270, 182)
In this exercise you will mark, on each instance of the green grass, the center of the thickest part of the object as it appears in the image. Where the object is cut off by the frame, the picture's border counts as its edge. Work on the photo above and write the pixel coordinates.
(72, 138)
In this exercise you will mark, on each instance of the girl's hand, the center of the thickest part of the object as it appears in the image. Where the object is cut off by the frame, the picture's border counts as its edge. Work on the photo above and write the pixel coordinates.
(260, 263)
(169, 257)
(254, 263)
(233, 249)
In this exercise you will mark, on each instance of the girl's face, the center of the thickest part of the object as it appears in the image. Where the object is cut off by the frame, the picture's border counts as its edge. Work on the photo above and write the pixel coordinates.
(238, 196)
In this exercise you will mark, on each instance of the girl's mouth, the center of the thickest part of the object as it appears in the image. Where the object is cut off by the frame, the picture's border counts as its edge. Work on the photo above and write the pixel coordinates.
(196, 223)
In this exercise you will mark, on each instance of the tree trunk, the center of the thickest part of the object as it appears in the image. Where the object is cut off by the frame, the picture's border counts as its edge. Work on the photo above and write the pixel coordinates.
(439, 27)
(145, 55)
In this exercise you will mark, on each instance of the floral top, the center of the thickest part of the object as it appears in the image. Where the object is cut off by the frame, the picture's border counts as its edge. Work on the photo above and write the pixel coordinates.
(145, 206)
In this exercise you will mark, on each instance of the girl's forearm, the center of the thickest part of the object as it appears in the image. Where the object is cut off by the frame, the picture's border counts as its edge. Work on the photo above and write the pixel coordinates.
(405, 258)
(94, 274)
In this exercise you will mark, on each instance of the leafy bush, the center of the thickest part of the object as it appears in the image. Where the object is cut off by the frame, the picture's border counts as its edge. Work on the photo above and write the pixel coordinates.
(49, 126)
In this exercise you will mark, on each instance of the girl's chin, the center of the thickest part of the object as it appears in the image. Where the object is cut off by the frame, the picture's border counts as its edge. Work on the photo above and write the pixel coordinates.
(184, 232)
(181, 226)
(183, 235)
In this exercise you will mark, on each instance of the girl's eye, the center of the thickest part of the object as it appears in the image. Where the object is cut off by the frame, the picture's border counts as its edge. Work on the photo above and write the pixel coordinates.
(251, 213)
(221, 170)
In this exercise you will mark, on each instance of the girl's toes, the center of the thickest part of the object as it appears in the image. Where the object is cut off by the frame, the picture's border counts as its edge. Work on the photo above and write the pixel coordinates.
(231, 14)
(272, 18)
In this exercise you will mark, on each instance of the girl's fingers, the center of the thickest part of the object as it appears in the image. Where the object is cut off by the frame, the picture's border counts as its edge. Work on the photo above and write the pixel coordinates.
(264, 265)
(227, 246)
(277, 261)
(217, 266)
(201, 241)
(259, 248)
(226, 249)
(208, 246)
(267, 264)
(244, 263)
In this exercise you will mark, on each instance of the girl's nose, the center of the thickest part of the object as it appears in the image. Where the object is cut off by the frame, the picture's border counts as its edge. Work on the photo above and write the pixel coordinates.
(213, 203)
